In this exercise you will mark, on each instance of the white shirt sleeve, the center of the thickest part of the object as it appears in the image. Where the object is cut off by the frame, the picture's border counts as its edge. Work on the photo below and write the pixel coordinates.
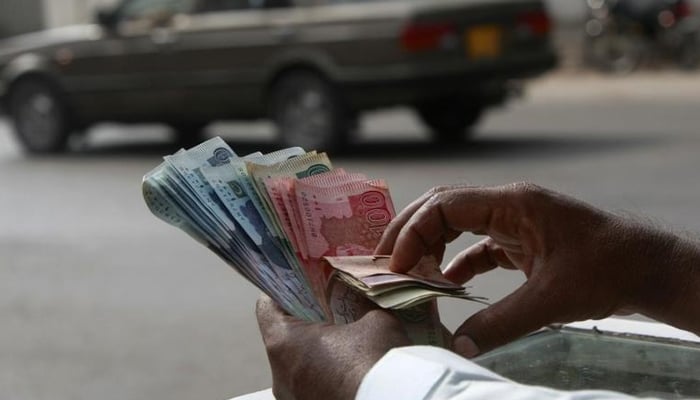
(431, 373)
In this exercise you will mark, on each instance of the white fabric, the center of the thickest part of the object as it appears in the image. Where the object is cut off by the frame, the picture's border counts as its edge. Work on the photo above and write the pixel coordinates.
(431, 373)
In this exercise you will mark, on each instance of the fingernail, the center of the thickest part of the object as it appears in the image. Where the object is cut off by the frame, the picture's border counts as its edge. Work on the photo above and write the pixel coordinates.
(465, 346)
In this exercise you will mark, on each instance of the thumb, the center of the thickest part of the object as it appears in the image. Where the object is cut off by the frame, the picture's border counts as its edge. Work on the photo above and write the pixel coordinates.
(270, 315)
(523, 311)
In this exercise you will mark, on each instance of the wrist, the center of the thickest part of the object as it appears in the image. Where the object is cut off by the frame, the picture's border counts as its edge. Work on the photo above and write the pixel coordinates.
(682, 287)
(668, 285)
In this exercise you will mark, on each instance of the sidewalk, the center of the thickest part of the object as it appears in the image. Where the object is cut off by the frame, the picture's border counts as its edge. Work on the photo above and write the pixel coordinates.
(573, 82)
(574, 86)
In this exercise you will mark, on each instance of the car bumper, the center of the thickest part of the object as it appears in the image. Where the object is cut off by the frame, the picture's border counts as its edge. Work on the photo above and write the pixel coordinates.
(406, 85)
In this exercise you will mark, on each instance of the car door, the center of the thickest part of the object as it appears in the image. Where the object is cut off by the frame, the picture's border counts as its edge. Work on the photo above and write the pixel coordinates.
(223, 53)
(148, 76)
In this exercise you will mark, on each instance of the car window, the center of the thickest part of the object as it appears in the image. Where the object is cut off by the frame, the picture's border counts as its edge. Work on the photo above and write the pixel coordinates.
(153, 9)
(229, 5)
(225, 5)
(277, 3)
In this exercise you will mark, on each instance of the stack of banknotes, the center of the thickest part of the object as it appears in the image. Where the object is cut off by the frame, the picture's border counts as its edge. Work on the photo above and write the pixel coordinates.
(370, 275)
(298, 229)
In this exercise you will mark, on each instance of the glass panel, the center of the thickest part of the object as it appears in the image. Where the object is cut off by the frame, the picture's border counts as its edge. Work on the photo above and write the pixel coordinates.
(153, 9)
(573, 360)
(225, 5)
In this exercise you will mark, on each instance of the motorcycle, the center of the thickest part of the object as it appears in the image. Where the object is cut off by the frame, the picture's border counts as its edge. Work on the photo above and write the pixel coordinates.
(621, 35)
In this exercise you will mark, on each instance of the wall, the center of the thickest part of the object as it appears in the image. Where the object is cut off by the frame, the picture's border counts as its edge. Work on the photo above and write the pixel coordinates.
(20, 16)
(67, 12)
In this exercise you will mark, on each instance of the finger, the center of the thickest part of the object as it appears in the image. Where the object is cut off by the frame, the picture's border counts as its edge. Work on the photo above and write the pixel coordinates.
(465, 209)
(270, 314)
(438, 251)
(386, 243)
(523, 311)
(477, 259)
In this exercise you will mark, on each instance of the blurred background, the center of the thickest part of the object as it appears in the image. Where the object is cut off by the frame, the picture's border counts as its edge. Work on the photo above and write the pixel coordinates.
(99, 299)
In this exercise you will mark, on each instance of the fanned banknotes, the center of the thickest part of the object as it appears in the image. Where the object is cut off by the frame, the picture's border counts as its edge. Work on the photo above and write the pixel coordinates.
(299, 230)
(370, 275)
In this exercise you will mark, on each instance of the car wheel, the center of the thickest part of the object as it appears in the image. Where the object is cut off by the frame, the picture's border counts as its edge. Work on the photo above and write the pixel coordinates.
(40, 117)
(309, 113)
(450, 118)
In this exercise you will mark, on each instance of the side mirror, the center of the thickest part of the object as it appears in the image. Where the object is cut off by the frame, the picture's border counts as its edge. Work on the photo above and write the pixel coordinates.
(106, 18)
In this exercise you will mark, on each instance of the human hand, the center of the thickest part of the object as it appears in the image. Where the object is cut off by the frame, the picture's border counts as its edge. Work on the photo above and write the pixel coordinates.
(580, 262)
(321, 361)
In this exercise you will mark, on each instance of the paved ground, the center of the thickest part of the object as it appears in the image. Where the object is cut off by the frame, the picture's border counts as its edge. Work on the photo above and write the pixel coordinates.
(99, 300)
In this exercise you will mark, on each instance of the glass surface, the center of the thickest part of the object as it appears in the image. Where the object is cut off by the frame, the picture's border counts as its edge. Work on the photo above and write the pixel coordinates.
(152, 9)
(573, 359)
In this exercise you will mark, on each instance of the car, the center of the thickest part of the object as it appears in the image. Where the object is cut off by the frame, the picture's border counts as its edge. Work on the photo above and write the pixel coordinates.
(312, 66)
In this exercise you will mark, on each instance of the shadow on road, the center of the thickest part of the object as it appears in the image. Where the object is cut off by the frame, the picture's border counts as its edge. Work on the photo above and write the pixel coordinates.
(501, 147)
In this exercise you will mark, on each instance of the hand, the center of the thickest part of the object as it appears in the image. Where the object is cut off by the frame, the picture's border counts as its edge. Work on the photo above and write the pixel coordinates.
(580, 262)
(320, 361)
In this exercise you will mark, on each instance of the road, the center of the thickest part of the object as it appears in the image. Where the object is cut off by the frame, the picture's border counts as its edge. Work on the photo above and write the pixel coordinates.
(100, 300)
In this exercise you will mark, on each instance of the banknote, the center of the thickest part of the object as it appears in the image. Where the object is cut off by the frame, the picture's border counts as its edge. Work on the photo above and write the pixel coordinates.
(411, 295)
(281, 191)
(342, 220)
(183, 178)
(299, 167)
(422, 322)
(299, 230)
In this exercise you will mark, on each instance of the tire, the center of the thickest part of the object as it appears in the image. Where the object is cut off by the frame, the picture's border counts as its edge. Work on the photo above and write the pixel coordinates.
(689, 52)
(309, 113)
(450, 118)
(40, 117)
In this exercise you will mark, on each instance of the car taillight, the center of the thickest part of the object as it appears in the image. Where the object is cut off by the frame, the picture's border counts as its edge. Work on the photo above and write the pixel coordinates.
(537, 22)
(421, 36)
(682, 10)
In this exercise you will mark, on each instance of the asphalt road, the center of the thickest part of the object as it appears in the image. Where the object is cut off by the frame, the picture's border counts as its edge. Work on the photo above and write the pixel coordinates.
(100, 300)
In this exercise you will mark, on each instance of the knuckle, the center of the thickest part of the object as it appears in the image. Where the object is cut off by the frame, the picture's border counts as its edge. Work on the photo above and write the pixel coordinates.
(264, 306)
(259, 306)
(436, 199)
(440, 189)
(437, 189)
(525, 191)
(526, 187)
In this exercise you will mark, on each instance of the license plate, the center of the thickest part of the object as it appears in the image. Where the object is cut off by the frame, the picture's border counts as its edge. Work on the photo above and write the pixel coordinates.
(483, 41)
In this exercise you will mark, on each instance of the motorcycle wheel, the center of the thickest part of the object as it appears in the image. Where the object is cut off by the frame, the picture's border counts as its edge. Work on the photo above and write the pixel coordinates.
(689, 53)
(614, 53)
